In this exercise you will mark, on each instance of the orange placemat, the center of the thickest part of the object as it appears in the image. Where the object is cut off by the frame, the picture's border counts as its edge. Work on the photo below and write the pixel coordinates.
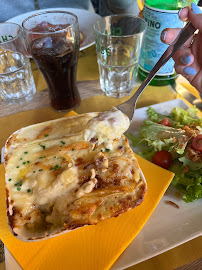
(91, 247)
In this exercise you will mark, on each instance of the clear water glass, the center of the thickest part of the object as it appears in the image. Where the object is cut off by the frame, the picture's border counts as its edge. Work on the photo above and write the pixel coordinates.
(16, 80)
(118, 44)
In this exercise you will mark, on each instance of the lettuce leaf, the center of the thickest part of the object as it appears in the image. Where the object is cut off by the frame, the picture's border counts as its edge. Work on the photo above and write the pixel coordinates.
(186, 117)
(162, 137)
(191, 164)
(133, 139)
(157, 117)
(178, 118)
(189, 184)
(147, 154)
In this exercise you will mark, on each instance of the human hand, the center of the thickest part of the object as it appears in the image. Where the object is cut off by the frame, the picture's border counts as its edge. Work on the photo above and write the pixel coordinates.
(188, 59)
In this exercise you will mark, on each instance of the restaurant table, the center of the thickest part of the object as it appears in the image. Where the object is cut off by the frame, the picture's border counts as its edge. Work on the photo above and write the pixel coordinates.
(184, 257)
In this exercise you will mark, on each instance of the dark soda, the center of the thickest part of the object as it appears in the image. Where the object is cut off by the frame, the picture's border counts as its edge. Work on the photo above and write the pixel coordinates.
(56, 57)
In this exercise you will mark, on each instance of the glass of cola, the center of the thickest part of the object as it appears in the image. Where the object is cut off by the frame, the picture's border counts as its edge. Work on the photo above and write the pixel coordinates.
(52, 38)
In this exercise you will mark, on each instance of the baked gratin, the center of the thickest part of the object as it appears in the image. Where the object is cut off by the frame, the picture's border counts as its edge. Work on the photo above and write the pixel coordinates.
(70, 172)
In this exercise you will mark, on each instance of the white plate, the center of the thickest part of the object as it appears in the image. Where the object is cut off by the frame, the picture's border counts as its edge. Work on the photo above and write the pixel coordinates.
(86, 20)
(167, 227)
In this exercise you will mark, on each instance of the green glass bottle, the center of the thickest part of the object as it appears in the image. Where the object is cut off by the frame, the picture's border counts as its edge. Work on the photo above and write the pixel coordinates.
(159, 15)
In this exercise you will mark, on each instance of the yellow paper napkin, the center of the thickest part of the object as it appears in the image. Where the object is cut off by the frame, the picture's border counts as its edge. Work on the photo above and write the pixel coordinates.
(91, 247)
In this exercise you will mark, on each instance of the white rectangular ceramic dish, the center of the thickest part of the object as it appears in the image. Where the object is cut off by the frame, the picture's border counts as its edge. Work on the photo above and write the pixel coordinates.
(53, 171)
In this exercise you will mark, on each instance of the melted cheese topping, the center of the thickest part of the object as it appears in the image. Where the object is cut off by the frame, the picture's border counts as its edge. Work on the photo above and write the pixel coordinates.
(107, 126)
(58, 180)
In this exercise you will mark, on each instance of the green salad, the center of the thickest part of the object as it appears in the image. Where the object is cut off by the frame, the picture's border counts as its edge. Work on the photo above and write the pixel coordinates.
(174, 142)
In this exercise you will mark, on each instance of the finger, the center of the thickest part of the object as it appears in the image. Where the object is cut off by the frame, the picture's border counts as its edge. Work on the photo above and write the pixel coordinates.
(187, 72)
(195, 16)
(184, 14)
(168, 35)
(183, 57)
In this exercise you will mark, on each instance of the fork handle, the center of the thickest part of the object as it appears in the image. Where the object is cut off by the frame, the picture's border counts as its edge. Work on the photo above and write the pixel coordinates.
(183, 36)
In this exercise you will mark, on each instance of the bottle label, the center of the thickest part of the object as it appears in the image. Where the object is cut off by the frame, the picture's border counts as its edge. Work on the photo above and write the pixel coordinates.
(153, 48)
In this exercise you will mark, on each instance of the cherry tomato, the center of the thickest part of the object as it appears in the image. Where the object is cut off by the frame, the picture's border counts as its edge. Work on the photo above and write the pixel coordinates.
(163, 159)
(197, 142)
(165, 122)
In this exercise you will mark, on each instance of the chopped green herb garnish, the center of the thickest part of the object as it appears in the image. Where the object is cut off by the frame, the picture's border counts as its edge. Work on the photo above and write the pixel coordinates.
(34, 171)
(56, 167)
(26, 162)
(60, 150)
(19, 183)
(20, 158)
(19, 188)
(25, 152)
(9, 179)
(101, 150)
(55, 157)
(46, 135)
(107, 150)
(43, 146)
(17, 167)
(94, 149)
(40, 170)
(42, 157)
(51, 168)
(28, 190)
(64, 158)
(62, 142)
(73, 149)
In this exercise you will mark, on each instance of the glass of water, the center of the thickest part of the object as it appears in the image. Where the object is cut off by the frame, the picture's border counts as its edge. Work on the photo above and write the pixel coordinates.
(118, 43)
(16, 80)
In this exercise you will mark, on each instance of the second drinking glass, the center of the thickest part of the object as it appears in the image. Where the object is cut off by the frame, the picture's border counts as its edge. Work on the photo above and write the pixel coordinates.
(52, 39)
(118, 44)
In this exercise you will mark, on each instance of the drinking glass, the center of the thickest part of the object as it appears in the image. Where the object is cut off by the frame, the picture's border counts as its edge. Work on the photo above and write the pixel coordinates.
(16, 80)
(118, 44)
(52, 39)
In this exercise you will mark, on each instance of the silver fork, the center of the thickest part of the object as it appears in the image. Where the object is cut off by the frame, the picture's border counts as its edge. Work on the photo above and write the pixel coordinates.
(129, 106)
